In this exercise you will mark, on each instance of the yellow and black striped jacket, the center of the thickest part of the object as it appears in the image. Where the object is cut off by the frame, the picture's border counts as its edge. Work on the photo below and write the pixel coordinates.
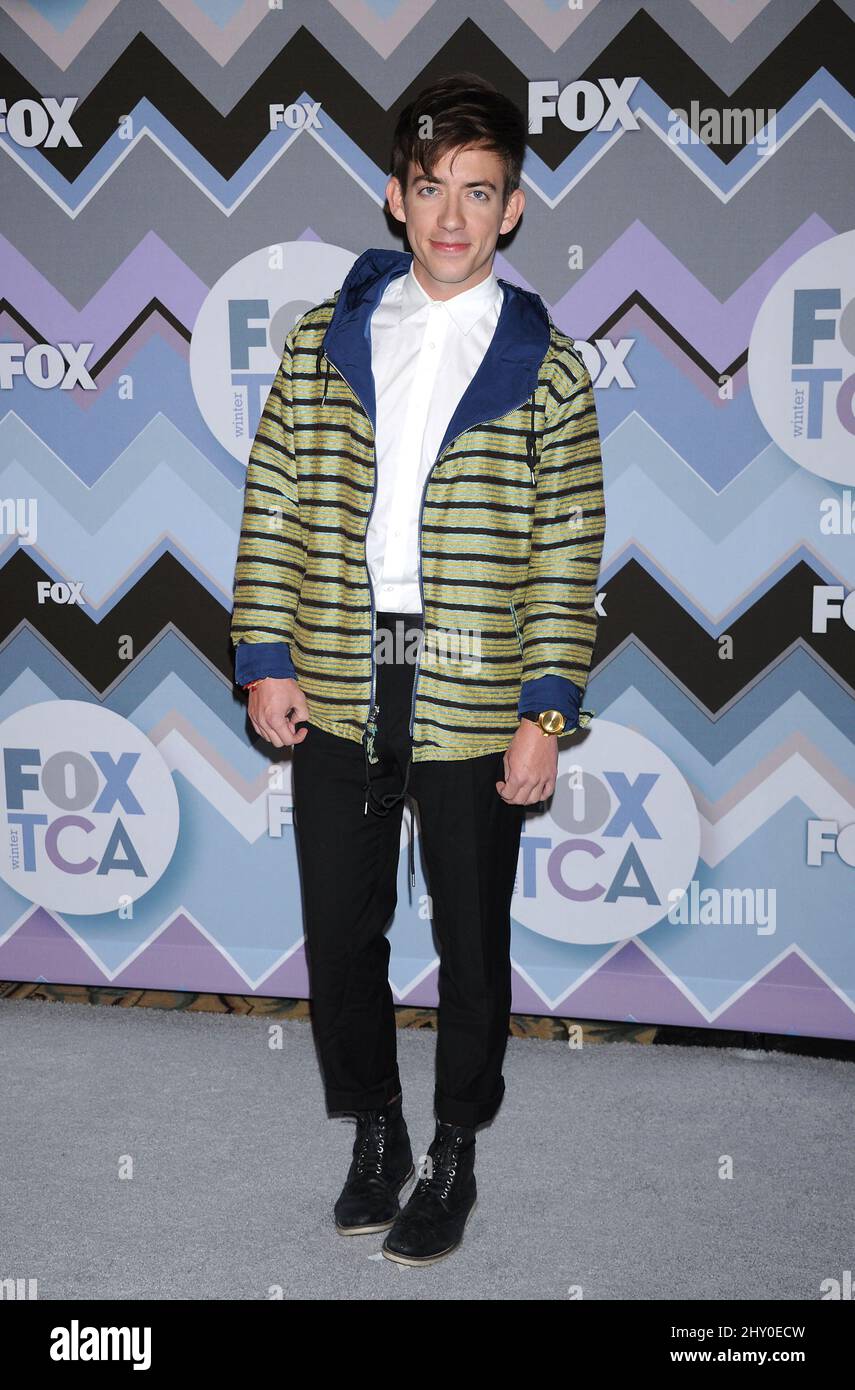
(511, 530)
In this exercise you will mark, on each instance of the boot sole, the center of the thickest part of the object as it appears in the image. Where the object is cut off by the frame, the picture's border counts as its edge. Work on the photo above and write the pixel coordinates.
(375, 1226)
(429, 1259)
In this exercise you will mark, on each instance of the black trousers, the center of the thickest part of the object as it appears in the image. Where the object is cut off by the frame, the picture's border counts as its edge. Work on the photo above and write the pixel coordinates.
(348, 863)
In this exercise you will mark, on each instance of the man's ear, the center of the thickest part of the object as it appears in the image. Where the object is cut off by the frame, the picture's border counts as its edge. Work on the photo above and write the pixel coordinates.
(395, 198)
(513, 211)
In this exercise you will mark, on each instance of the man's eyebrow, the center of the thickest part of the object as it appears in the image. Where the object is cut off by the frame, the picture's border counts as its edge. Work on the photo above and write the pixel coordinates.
(471, 183)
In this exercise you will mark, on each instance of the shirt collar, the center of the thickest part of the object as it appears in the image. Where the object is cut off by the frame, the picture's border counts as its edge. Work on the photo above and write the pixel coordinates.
(465, 308)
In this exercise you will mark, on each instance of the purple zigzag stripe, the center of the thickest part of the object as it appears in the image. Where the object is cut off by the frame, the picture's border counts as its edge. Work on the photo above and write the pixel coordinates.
(629, 986)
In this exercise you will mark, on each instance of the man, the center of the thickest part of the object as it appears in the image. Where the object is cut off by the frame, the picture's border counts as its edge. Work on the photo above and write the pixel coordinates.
(414, 613)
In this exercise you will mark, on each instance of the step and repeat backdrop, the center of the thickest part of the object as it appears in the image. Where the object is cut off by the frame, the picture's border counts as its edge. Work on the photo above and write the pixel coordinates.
(180, 182)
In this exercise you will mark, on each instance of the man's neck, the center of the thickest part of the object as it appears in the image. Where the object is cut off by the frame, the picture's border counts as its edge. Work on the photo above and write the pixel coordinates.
(438, 289)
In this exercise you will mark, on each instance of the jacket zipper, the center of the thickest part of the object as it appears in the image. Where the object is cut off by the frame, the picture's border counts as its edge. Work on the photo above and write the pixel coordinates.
(516, 624)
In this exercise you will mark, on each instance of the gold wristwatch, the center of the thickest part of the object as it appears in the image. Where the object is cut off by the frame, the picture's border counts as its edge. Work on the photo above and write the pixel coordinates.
(551, 721)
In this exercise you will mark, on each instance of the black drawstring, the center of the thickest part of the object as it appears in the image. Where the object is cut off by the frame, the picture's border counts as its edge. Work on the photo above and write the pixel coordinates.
(382, 805)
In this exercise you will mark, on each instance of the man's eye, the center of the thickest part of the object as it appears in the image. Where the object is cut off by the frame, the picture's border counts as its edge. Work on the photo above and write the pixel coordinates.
(480, 193)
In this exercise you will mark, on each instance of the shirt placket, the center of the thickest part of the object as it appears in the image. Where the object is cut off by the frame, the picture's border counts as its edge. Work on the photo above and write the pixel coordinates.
(398, 553)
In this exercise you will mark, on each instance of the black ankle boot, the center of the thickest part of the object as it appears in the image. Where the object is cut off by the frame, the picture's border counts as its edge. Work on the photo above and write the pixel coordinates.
(382, 1162)
(431, 1224)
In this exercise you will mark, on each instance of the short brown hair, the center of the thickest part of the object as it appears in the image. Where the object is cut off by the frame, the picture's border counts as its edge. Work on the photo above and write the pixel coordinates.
(464, 109)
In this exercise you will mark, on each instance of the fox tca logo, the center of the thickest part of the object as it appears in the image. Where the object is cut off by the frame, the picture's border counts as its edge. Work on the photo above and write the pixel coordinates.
(46, 122)
(599, 105)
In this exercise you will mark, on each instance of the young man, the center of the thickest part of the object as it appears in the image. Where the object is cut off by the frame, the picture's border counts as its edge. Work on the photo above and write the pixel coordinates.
(414, 613)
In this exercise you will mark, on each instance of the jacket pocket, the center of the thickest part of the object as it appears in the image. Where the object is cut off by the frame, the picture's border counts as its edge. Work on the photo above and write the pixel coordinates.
(516, 624)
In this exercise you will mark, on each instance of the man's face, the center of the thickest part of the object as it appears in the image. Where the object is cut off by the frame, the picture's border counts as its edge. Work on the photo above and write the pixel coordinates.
(454, 219)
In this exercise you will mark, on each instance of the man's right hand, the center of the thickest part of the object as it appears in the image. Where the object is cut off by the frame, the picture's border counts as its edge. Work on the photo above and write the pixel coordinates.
(276, 707)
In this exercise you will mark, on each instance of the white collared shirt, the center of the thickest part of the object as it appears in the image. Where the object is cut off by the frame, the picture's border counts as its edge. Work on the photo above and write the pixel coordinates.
(424, 353)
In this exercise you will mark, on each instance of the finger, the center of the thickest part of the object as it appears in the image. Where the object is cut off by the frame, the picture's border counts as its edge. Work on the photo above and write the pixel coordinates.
(528, 796)
(282, 726)
(267, 731)
(505, 789)
(518, 792)
(509, 788)
(286, 726)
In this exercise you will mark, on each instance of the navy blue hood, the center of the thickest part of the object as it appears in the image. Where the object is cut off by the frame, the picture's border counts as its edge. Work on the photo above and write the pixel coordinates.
(506, 377)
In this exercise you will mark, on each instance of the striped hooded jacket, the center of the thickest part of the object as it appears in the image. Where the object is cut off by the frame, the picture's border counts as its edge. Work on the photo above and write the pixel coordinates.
(511, 530)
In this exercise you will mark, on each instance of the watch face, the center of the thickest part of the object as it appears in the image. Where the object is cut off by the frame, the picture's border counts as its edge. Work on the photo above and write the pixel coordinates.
(552, 721)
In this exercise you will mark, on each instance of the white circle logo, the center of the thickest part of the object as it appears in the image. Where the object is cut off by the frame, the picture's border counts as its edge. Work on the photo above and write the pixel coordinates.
(618, 846)
(801, 360)
(89, 808)
(240, 332)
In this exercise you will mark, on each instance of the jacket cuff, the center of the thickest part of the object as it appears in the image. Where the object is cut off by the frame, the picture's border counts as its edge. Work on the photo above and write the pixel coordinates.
(256, 659)
(551, 692)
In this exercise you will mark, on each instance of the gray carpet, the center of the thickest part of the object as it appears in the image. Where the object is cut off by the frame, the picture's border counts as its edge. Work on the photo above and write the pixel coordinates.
(600, 1172)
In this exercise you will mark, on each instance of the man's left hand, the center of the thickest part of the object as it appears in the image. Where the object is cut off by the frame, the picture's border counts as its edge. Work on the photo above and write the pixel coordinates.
(531, 766)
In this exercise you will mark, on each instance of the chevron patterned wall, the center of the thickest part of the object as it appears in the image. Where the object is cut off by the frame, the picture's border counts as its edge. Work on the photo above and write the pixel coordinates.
(180, 180)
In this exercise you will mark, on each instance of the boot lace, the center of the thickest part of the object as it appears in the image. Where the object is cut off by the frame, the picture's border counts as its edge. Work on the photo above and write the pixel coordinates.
(371, 1143)
(443, 1170)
